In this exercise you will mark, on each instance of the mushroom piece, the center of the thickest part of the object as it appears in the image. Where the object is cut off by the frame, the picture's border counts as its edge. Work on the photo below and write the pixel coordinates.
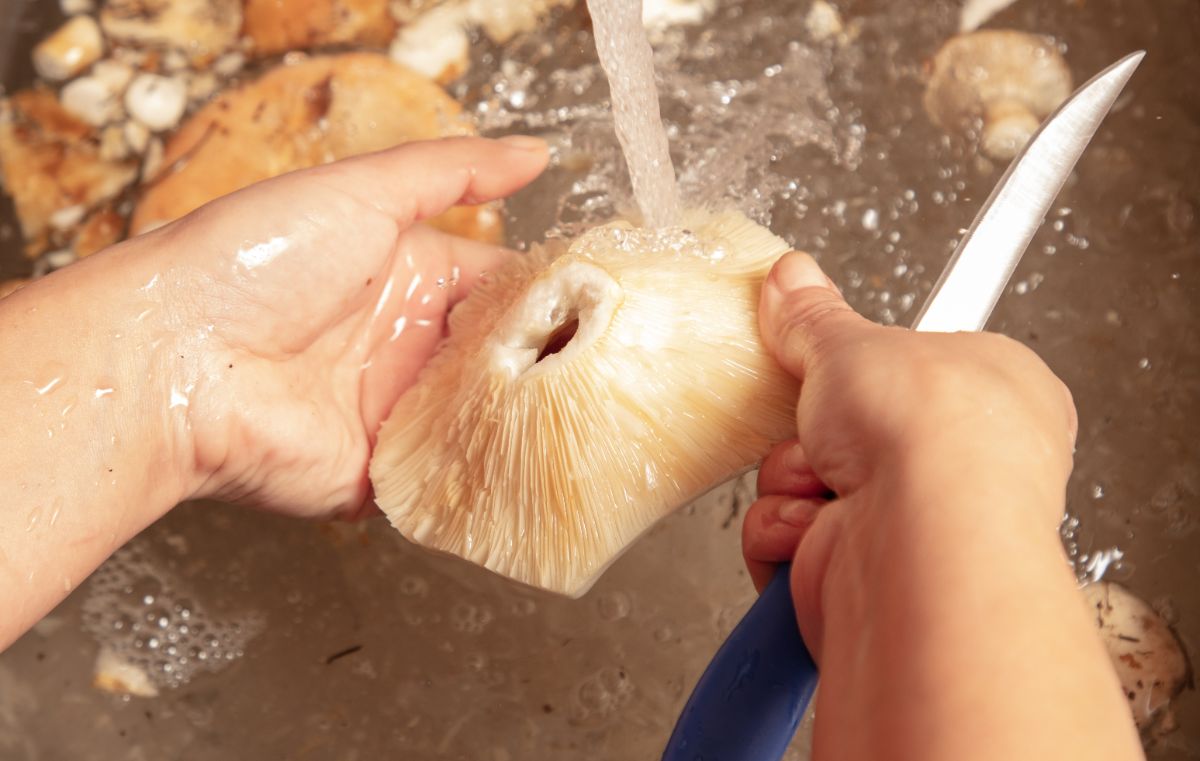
(202, 28)
(277, 27)
(1147, 655)
(50, 161)
(302, 115)
(115, 675)
(584, 393)
(1011, 80)
(73, 47)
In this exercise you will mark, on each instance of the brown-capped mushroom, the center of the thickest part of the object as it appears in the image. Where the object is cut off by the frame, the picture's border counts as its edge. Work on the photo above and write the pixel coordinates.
(302, 115)
(1010, 80)
(585, 392)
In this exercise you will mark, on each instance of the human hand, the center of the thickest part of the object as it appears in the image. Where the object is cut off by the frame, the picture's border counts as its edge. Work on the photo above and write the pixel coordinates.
(892, 426)
(302, 307)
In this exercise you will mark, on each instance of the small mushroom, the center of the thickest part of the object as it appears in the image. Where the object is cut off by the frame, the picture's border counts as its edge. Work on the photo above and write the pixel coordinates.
(91, 99)
(156, 101)
(436, 44)
(1011, 80)
(1147, 655)
(113, 73)
(70, 49)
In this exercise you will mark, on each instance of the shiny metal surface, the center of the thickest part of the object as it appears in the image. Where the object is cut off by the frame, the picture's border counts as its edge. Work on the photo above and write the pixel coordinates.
(967, 292)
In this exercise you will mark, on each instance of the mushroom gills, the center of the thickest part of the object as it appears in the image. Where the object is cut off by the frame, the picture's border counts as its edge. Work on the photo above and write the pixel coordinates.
(585, 391)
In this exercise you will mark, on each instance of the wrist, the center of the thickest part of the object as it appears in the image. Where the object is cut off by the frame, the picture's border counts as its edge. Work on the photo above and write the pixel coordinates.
(135, 346)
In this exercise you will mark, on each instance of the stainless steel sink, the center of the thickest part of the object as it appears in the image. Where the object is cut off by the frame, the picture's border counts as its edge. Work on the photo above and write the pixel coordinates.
(358, 646)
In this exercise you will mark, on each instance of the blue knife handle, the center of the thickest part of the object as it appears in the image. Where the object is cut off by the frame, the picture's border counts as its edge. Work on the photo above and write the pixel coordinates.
(749, 701)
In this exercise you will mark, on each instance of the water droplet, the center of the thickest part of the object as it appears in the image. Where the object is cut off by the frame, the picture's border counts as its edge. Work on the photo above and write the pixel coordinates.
(613, 606)
(34, 516)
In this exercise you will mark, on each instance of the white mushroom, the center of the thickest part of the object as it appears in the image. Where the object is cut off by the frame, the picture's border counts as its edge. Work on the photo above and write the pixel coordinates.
(155, 101)
(1011, 80)
(584, 394)
(115, 74)
(664, 13)
(92, 100)
(113, 146)
(137, 136)
(70, 49)
(975, 13)
(1147, 655)
(436, 44)
(67, 217)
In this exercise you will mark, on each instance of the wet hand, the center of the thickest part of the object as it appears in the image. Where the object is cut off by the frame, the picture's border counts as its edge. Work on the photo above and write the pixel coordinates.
(891, 426)
(304, 306)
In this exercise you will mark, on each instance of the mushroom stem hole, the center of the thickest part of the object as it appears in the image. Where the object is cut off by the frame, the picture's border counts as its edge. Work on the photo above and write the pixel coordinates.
(558, 340)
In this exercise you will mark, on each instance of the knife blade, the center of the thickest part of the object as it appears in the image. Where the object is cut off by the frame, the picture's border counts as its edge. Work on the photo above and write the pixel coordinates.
(749, 701)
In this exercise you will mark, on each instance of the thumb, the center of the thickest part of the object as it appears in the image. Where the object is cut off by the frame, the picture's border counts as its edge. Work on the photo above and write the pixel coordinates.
(801, 312)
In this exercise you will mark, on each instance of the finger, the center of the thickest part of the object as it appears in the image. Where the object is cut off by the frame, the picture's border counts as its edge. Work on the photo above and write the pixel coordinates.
(786, 471)
(802, 311)
(773, 529)
(458, 263)
(419, 180)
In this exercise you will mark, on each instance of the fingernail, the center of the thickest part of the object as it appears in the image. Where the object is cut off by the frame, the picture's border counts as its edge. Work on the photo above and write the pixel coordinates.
(795, 271)
(524, 143)
(794, 459)
(798, 512)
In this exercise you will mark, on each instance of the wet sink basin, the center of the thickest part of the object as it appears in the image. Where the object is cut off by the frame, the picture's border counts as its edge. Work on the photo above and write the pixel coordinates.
(342, 642)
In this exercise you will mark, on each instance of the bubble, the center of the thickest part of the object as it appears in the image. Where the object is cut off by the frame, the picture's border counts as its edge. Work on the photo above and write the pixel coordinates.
(613, 606)
(414, 586)
(470, 619)
(602, 694)
(139, 613)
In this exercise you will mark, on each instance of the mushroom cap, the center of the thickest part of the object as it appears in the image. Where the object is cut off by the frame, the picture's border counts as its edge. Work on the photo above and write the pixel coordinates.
(301, 115)
(972, 71)
(583, 394)
(1147, 655)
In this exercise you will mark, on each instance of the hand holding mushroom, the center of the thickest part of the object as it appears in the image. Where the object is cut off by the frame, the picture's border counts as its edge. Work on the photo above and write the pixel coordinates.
(246, 352)
(920, 507)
